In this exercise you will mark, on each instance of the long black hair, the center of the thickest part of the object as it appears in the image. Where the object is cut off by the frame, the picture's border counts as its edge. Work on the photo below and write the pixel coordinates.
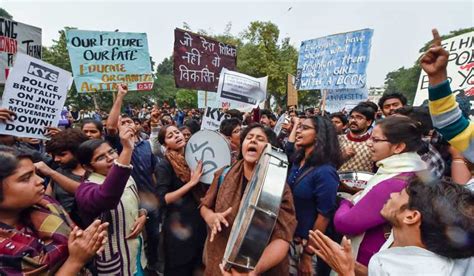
(9, 158)
(326, 145)
(400, 129)
(86, 151)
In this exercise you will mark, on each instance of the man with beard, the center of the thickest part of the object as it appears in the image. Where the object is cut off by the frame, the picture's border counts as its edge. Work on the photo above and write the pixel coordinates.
(65, 179)
(355, 151)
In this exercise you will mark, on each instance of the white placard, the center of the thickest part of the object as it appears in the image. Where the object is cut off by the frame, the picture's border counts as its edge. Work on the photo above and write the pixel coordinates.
(213, 118)
(36, 92)
(239, 91)
(460, 68)
(206, 98)
(16, 37)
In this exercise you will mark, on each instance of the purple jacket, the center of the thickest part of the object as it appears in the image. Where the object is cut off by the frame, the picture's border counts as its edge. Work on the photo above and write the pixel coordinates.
(365, 216)
(92, 199)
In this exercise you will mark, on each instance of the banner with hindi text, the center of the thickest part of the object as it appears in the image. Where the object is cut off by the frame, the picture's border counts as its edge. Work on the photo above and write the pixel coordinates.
(198, 60)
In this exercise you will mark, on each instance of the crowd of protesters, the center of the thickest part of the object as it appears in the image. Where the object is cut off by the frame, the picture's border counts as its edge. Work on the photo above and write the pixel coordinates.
(112, 194)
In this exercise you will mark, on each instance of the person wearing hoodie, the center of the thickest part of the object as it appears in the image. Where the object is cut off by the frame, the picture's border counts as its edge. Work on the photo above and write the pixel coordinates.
(393, 143)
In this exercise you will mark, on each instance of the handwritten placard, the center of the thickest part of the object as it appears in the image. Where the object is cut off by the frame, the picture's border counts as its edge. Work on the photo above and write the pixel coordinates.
(198, 60)
(460, 69)
(16, 37)
(102, 60)
(334, 62)
(36, 92)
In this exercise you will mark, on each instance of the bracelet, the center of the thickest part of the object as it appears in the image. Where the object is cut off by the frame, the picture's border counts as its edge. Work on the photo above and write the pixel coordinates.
(122, 165)
(143, 212)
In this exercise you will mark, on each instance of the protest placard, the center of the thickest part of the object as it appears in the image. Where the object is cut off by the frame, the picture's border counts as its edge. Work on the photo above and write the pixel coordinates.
(345, 99)
(16, 37)
(334, 62)
(206, 98)
(102, 60)
(213, 118)
(292, 93)
(240, 91)
(198, 60)
(460, 69)
(36, 92)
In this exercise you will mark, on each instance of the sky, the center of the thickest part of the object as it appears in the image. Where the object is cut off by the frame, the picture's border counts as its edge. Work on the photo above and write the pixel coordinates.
(401, 28)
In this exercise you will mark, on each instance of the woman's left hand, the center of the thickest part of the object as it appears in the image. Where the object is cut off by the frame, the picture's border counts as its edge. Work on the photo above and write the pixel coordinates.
(137, 227)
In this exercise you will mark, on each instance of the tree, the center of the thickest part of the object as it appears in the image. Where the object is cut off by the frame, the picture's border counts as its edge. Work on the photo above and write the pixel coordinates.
(4, 13)
(262, 55)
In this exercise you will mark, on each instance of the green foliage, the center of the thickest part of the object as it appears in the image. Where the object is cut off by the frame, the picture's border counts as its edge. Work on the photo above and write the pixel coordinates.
(262, 55)
(4, 13)
(186, 98)
(404, 81)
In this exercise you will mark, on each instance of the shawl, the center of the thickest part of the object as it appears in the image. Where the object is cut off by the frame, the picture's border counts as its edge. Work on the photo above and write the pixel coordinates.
(180, 167)
(41, 247)
(387, 168)
(229, 194)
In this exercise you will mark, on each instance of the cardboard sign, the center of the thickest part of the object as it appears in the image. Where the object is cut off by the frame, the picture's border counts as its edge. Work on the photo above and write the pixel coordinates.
(240, 91)
(36, 92)
(337, 100)
(292, 92)
(16, 37)
(206, 98)
(198, 60)
(213, 118)
(334, 62)
(460, 69)
(102, 60)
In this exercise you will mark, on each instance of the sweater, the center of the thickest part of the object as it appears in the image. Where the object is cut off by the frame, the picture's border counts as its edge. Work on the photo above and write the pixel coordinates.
(113, 199)
(448, 119)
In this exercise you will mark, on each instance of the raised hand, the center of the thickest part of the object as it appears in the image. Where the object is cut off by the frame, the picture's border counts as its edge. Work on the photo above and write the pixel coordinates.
(215, 222)
(6, 115)
(122, 89)
(52, 131)
(435, 61)
(127, 136)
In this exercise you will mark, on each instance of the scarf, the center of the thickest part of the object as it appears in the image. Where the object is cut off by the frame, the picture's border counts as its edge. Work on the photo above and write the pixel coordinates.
(42, 250)
(180, 167)
(387, 168)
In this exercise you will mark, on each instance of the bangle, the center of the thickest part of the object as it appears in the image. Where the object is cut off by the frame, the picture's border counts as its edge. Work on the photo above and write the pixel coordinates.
(122, 165)
(143, 212)
(459, 160)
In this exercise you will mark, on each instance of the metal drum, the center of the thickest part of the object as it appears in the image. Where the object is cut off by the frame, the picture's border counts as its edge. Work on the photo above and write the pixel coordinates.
(355, 179)
(212, 148)
(258, 211)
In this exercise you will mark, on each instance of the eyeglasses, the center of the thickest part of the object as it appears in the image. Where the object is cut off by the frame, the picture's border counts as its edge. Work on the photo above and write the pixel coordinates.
(376, 140)
(111, 153)
(304, 127)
